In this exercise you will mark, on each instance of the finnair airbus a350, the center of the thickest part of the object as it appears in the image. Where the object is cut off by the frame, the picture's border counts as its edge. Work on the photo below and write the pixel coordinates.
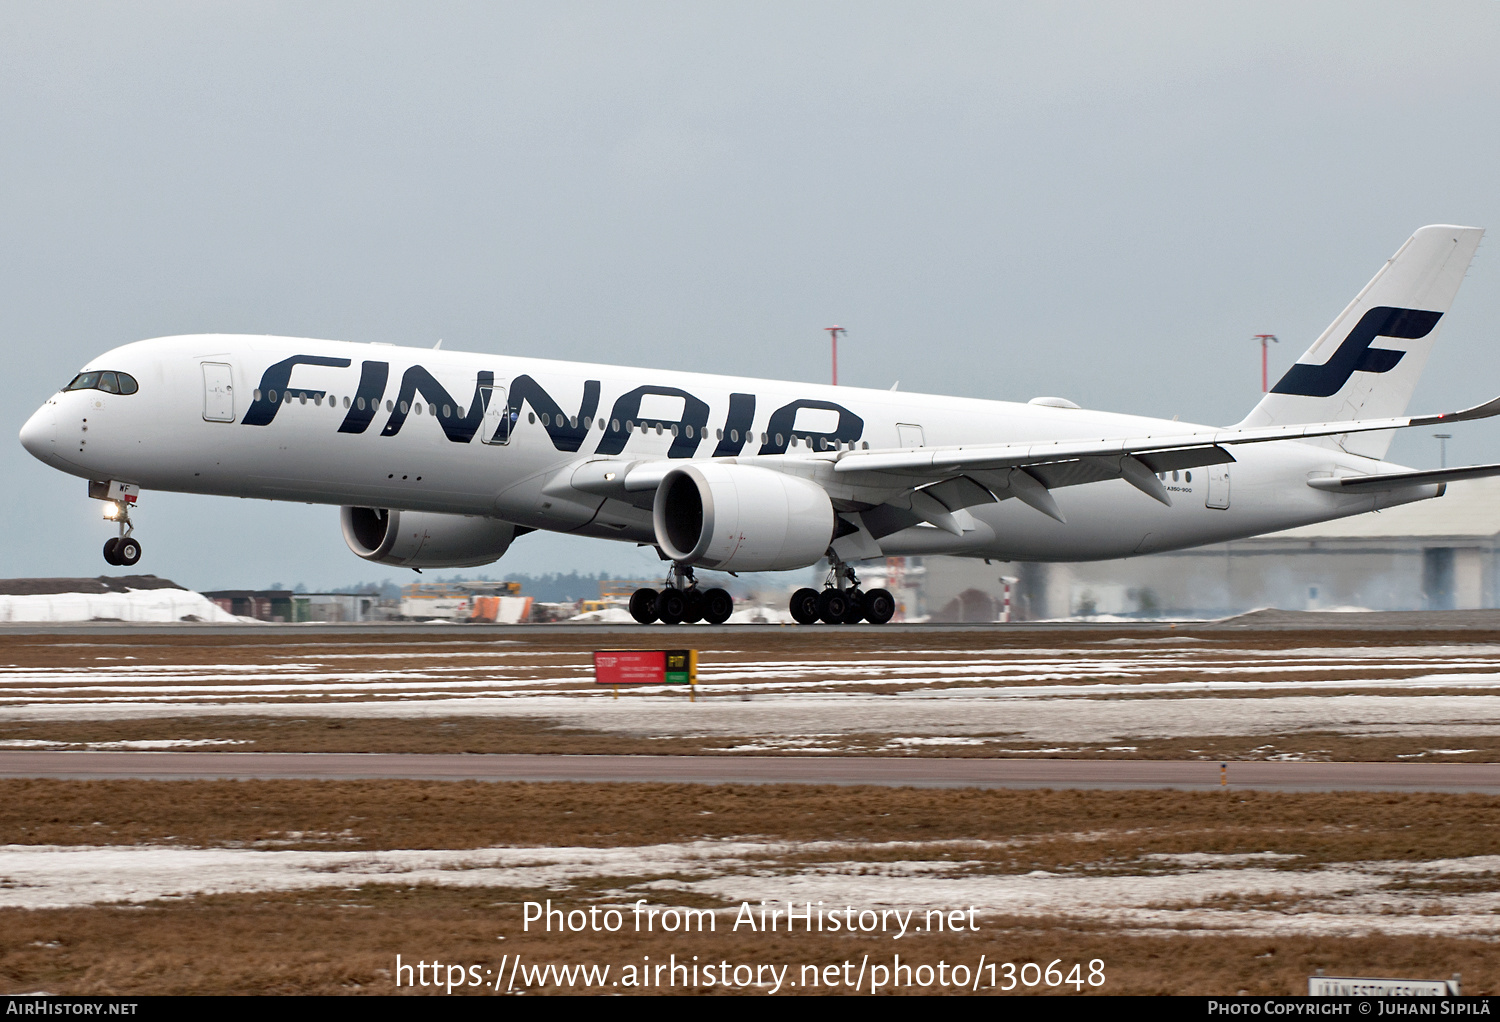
(442, 458)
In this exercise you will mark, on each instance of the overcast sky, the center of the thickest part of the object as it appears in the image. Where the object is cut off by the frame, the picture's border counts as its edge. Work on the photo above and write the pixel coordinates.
(1097, 200)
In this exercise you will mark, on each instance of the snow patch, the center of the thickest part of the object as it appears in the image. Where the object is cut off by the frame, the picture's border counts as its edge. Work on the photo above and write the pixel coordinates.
(1183, 893)
(138, 605)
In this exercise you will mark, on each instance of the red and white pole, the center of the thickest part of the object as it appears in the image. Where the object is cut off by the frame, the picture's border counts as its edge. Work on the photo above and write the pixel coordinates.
(1265, 341)
(833, 334)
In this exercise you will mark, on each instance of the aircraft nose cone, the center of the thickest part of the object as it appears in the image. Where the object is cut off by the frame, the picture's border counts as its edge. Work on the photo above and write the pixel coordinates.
(39, 435)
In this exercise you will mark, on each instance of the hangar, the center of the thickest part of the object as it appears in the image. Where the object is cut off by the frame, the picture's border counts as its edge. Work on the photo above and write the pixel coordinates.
(1431, 555)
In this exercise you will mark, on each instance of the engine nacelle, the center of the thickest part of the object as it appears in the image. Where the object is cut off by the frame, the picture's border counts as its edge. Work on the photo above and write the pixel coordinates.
(740, 518)
(423, 539)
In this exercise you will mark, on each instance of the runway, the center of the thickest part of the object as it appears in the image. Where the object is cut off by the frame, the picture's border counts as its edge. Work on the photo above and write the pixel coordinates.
(1480, 778)
(1252, 621)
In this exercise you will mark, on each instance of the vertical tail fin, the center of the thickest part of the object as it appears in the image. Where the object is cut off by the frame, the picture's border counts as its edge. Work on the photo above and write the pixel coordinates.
(1366, 364)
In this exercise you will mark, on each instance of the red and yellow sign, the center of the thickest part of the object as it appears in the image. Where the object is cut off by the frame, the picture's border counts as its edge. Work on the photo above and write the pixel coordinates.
(646, 667)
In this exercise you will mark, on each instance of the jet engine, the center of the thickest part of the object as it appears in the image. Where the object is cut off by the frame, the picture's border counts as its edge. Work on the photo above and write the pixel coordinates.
(423, 539)
(740, 518)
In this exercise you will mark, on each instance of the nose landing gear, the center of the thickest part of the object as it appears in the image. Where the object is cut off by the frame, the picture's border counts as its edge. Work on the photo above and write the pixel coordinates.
(122, 550)
(680, 601)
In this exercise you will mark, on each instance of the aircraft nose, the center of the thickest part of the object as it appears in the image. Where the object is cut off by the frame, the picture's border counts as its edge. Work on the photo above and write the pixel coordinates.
(39, 435)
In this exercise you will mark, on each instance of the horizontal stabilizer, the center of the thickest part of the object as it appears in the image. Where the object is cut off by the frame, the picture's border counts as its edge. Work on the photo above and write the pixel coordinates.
(1397, 480)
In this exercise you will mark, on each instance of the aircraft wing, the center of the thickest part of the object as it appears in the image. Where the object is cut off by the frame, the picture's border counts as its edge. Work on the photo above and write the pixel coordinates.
(943, 480)
(943, 461)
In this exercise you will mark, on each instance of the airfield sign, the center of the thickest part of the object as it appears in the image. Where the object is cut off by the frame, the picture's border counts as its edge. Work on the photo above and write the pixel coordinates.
(1347, 986)
(646, 666)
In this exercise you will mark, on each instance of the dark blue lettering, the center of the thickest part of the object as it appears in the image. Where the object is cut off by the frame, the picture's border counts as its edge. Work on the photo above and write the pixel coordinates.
(274, 382)
(779, 430)
(366, 402)
(689, 428)
(737, 425)
(418, 380)
(567, 435)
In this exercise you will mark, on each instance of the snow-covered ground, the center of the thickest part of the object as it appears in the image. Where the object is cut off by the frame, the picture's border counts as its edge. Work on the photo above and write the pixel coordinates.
(1110, 693)
(1172, 894)
(139, 605)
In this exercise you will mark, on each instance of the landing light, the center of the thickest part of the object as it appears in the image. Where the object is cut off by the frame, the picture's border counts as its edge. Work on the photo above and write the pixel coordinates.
(112, 510)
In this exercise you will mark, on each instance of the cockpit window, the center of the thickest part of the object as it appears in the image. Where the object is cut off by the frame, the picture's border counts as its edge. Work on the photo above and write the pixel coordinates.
(110, 383)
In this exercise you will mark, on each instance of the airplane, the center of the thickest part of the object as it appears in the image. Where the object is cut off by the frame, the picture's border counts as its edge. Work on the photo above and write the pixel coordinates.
(443, 458)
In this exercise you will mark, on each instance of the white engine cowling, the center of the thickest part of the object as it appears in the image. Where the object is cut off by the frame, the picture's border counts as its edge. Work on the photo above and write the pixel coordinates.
(423, 539)
(740, 518)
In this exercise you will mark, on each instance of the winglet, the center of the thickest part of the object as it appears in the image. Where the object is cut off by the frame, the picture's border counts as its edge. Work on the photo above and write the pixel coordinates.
(1484, 411)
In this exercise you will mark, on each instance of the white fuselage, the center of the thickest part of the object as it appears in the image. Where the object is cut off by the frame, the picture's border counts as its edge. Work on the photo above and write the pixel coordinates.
(203, 422)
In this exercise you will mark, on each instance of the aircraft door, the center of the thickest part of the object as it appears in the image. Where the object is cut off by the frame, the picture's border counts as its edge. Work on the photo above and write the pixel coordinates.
(1218, 487)
(496, 428)
(218, 392)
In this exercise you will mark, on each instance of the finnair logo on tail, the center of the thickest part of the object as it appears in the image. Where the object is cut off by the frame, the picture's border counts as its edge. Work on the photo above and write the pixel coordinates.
(1355, 355)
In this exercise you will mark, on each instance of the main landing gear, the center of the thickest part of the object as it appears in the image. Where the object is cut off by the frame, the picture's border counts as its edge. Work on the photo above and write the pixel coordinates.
(680, 601)
(842, 602)
(122, 550)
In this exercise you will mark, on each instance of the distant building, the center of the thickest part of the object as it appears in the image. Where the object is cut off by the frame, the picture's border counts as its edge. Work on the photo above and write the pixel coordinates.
(465, 601)
(1436, 554)
(285, 605)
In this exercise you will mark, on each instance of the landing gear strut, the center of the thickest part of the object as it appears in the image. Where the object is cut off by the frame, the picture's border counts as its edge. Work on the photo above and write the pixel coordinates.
(122, 550)
(680, 601)
(842, 601)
